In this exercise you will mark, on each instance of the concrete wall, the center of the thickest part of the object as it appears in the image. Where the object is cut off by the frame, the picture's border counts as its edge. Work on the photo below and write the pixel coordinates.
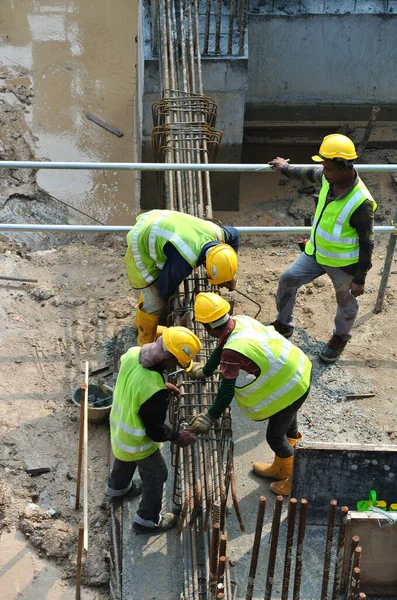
(347, 58)
(344, 472)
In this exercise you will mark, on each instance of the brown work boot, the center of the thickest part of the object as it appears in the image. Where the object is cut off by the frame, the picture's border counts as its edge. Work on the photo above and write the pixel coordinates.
(333, 349)
(285, 330)
(167, 521)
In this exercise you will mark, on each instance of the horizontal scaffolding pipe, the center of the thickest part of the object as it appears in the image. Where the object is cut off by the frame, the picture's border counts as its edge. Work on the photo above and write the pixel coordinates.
(16, 164)
(126, 228)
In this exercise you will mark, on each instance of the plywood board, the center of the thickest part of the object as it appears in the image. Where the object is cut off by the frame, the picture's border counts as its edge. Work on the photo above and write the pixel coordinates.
(379, 552)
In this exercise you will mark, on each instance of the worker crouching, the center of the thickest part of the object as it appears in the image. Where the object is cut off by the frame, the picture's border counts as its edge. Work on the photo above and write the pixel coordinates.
(163, 248)
(267, 375)
(137, 421)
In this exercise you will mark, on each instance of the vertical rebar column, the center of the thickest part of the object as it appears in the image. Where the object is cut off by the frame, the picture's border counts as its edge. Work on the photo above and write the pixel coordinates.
(355, 584)
(205, 175)
(328, 549)
(231, 26)
(214, 551)
(288, 547)
(168, 178)
(218, 28)
(255, 549)
(207, 26)
(386, 268)
(299, 549)
(363, 144)
(353, 589)
(353, 545)
(174, 114)
(273, 547)
(340, 553)
(187, 175)
(243, 25)
(154, 15)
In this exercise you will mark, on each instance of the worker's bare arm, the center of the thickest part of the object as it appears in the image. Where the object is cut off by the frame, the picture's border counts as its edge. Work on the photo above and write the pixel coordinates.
(278, 163)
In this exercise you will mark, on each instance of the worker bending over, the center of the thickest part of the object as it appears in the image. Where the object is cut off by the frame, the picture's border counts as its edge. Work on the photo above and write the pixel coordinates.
(163, 248)
(341, 240)
(268, 376)
(137, 424)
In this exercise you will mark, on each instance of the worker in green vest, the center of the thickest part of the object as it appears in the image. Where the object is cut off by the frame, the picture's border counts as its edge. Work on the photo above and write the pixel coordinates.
(163, 248)
(268, 376)
(341, 240)
(137, 424)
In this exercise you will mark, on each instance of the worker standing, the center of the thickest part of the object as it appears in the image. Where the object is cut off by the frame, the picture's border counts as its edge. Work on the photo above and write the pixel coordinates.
(267, 375)
(137, 421)
(341, 240)
(163, 248)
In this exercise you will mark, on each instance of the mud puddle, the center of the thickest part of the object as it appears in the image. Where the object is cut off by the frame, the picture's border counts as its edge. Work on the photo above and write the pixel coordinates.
(80, 58)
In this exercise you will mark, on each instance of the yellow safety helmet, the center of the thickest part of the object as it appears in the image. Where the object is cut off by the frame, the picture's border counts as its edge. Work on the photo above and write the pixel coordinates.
(221, 264)
(183, 344)
(210, 307)
(336, 146)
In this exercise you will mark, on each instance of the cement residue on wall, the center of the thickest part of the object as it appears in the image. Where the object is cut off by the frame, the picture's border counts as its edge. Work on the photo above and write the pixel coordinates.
(322, 58)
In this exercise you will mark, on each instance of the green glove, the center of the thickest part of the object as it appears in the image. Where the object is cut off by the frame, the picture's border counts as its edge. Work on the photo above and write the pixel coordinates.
(201, 424)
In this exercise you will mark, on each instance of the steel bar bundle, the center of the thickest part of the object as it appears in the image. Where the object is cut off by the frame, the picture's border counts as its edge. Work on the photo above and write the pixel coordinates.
(204, 472)
(184, 131)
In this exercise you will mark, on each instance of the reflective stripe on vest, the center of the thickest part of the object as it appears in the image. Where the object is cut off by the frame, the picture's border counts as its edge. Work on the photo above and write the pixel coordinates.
(334, 242)
(284, 374)
(145, 257)
(134, 386)
(135, 249)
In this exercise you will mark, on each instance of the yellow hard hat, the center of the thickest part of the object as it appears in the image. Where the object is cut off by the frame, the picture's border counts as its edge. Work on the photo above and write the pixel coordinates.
(336, 146)
(221, 264)
(182, 343)
(210, 307)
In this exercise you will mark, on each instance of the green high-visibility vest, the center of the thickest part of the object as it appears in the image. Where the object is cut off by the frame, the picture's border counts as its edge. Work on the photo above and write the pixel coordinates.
(134, 386)
(145, 256)
(284, 369)
(332, 239)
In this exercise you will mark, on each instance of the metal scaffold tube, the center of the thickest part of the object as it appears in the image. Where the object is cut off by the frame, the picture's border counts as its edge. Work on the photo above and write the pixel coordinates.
(126, 228)
(154, 166)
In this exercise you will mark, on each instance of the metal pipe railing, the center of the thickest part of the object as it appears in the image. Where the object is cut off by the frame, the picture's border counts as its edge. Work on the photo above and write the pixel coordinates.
(126, 228)
(234, 167)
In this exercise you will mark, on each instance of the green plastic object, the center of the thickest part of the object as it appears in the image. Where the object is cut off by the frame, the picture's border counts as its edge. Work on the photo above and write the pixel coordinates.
(363, 505)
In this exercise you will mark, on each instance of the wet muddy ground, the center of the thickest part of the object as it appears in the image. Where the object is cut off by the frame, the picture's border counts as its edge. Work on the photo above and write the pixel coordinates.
(77, 57)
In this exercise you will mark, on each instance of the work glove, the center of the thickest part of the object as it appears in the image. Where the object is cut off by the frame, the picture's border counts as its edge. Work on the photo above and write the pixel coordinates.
(185, 439)
(196, 372)
(201, 424)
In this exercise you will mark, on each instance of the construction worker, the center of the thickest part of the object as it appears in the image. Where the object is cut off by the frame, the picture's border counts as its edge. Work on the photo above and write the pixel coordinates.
(268, 376)
(341, 240)
(137, 421)
(163, 248)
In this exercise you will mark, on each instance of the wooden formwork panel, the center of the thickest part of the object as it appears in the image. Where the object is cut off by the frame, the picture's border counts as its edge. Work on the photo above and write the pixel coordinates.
(378, 540)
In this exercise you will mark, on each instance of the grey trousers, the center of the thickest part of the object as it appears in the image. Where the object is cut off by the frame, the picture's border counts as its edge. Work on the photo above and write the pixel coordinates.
(153, 473)
(304, 270)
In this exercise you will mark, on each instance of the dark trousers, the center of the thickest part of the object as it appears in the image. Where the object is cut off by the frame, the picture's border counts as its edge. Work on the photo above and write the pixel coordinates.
(284, 425)
(153, 473)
